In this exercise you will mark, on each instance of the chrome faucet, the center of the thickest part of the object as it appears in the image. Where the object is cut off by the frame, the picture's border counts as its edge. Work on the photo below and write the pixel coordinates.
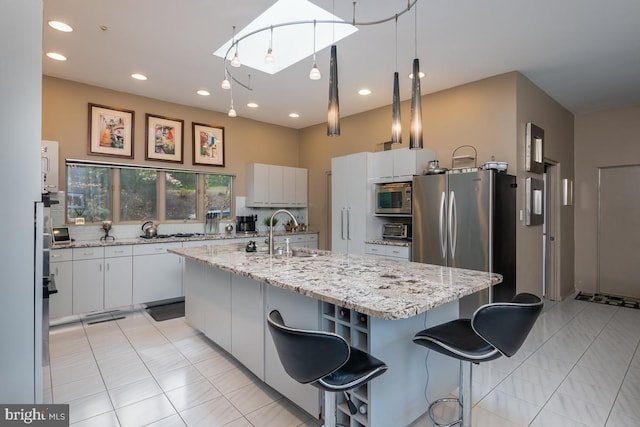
(295, 223)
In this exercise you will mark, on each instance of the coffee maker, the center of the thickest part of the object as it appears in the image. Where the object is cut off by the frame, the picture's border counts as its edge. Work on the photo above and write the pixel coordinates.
(246, 224)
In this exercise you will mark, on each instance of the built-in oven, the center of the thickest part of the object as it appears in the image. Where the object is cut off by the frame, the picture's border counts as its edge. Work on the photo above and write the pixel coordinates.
(393, 199)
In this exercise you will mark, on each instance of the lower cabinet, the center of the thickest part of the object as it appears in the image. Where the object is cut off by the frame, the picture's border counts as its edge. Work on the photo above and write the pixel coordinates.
(88, 279)
(389, 251)
(61, 303)
(247, 323)
(157, 275)
(118, 276)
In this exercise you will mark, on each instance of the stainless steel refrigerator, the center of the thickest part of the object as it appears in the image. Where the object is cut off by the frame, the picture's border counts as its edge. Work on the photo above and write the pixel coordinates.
(468, 220)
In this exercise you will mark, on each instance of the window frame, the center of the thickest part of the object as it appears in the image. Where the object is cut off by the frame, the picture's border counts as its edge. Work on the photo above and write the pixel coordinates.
(115, 188)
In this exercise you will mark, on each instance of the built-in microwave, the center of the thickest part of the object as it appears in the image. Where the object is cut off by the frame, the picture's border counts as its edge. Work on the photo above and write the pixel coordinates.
(393, 199)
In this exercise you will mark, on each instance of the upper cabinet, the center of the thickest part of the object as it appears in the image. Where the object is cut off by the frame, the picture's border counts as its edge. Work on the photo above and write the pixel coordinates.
(276, 186)
(400, 164)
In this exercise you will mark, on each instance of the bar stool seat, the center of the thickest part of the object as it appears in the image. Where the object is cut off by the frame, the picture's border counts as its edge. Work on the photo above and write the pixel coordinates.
(495, 330)
(324, 360)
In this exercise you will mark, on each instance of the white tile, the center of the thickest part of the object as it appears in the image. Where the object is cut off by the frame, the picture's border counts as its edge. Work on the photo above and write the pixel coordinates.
(192, 395)
(145, 412)
(278, 414)
(480, 417)
(108, 419)
(89, 406)
(510, 407)
(616, 419)
(215, 366)
(536, 375)
(172, 421)
(596, 394)
(178, 377)
(627, 405)
(73, 373)
(252, 397)
(631, 383)
(134, 392)
(214, 413)
(197, 348)
(74, 390)
(242, 422)
(114, 378)
(578, 410)
(484, 374)
(549, 364)
(595, 377)
(525, 390)
(547, 418)
(232, 380)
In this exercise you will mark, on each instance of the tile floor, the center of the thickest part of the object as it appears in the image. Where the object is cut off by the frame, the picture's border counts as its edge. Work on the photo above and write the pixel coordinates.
(580, 366)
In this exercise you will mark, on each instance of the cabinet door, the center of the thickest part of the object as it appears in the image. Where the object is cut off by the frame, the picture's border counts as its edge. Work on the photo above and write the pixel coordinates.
(257, 185)
(218, 307)
(289, 186)
(298, 311)
(118, 282)
(88, 292)
(247, 323)
(195, 293)
(156, 277)
(301, 183)
(61, 303)
(339, 200)
(276, 180)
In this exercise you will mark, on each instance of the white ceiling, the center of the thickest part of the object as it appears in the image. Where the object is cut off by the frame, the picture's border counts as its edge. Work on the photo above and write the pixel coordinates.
(584, 53)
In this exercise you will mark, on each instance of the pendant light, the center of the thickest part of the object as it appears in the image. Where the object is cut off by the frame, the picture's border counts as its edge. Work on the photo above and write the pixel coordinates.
(415, 133)
(333, 115)
(314, 74)
(226, 85)
(232, 111)
(396, 124)
(268, 58)
(235, 61)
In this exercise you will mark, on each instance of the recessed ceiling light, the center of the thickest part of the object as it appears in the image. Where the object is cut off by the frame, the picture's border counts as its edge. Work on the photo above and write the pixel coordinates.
(56, 56)
(364, 92)
(139, 76)
(203, 92)
(294, 115)
(421, 75)
(60, 26)
(252, 105)
(291, 43)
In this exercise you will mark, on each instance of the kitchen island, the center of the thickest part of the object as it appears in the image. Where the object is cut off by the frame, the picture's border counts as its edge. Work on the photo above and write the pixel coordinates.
(376, 304)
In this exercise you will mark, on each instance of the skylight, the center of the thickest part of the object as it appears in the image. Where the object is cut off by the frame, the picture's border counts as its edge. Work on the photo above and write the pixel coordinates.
(290, 43)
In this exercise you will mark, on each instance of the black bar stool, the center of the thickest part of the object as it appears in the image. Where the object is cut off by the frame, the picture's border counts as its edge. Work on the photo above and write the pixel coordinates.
(495, 330)
(323, 360)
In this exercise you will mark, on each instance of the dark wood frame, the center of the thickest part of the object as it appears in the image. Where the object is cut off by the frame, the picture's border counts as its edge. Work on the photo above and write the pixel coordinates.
(198, 158)
(95, 133)
(150, 153)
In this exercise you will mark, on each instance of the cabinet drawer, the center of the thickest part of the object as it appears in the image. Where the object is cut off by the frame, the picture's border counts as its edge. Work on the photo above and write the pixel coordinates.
(155, 248)
(61, 255)
(87, 253)
(374, 249)
(398, 252)
(117, 251)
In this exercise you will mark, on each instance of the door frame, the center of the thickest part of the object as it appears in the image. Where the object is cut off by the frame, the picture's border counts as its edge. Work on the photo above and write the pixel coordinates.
(551, 231)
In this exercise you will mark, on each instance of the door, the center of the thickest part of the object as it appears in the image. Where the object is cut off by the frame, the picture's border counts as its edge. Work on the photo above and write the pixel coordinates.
(429, 226)
(349, 203)
(550, 288)
(618, 231)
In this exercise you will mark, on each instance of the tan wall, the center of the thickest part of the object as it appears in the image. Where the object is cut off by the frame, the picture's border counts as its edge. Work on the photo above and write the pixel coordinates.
(480, 114)
(606, 138)
(537, 107)
(65, 119)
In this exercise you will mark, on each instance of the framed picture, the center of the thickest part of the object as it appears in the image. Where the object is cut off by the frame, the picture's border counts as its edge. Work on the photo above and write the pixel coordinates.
(208, 145)
(110, 131)
(164, 138)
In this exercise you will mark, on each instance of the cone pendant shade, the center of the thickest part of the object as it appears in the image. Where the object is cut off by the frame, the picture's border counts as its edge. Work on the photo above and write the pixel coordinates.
(333, 114)
(396, 125)
(415, 134)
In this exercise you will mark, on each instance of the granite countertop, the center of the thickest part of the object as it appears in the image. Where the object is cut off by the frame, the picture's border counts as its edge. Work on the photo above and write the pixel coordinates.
(386, 289)
(390, 242)
(175, 238)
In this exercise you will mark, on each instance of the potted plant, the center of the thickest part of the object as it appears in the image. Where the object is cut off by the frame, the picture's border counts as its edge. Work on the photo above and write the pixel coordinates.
(272, 224)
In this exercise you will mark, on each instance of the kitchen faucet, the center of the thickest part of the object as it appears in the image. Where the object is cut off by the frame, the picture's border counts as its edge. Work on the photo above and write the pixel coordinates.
(295, 223)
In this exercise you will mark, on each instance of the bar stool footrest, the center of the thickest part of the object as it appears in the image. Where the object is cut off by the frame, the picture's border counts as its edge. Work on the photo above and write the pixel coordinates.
(446, 400)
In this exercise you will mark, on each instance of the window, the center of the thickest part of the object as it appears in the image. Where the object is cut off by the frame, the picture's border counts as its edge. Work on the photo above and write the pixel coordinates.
(127, 193)
(138, 194)
(88, 194)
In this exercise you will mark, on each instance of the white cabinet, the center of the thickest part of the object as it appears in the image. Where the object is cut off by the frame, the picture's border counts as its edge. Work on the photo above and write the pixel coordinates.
(247, 323)
(402, 253)
(350, 199)
(61, 303)
(400, 164)
(297, 311)
(157, 275)
(276, 186)
(88, 279)
(298, 240)
(118, 276)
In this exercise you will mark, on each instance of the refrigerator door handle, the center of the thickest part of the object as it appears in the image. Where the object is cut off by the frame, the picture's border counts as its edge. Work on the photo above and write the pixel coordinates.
(349, 223)
(441, 230)
(453, 224)
(342, 224)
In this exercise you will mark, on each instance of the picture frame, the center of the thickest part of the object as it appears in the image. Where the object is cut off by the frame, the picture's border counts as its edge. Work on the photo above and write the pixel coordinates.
(208, 145)
(111, 131)
(534, 149)
(164, 138)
